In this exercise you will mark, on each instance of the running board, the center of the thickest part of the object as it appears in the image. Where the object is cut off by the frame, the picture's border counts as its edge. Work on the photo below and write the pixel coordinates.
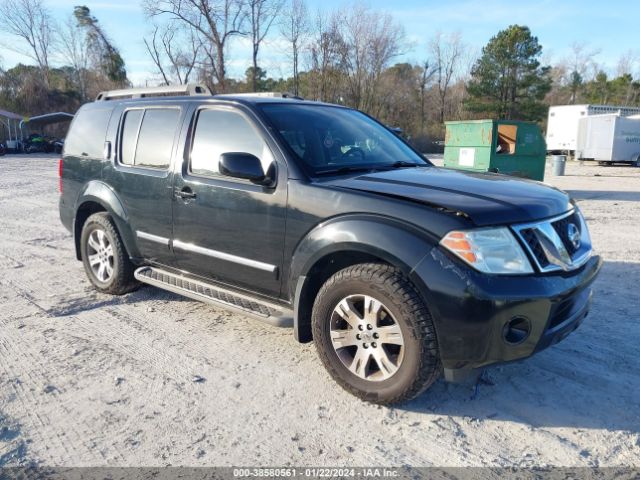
(205, 292)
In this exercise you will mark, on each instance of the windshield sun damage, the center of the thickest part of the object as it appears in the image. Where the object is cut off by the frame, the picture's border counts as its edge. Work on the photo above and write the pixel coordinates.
(331, 139)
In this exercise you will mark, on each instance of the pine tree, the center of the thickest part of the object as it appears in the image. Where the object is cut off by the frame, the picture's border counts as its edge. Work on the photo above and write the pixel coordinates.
(108, 58)
(507, 80)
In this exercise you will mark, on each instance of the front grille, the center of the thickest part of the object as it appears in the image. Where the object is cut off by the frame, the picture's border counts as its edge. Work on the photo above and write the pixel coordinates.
(561, 313)
(567, 308)
(561, 227)
(529, 236)
(549, 245)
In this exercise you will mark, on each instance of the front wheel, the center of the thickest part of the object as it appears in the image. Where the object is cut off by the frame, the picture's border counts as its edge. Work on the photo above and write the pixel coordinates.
(375, 335)
(104, 257)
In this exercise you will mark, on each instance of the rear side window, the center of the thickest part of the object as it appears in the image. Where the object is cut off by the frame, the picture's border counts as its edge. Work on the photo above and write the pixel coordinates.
(224, 131)
(130, 135)
(155, 141)
(147, 137)
(88, 132)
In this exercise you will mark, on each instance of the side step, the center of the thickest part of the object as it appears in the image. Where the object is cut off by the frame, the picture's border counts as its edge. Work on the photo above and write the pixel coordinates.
(205, 292)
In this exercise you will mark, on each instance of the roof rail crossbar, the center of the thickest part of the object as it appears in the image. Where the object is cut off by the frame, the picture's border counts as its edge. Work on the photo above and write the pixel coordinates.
(164, 91)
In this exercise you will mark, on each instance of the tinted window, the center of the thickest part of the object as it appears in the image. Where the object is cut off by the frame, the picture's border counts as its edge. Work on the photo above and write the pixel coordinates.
(222, 131)
(328, 138)
(129, 135)
(155, 142)
(88, 132)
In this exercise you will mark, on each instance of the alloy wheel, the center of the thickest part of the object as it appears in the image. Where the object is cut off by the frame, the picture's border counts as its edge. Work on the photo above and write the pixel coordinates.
(366, 337)
(100, 255)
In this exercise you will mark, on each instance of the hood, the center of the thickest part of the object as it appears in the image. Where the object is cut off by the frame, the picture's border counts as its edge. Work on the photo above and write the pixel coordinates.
(488, 199)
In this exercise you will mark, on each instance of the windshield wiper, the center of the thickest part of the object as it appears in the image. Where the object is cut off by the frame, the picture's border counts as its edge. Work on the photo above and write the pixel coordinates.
(403, 164)
(370, 168)
(347, 169)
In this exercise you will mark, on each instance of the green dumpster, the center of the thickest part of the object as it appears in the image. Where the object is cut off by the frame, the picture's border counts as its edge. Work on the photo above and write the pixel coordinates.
(502, 146)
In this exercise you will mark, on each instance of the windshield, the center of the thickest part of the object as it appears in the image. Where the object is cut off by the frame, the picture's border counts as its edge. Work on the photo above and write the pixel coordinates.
(331, 139)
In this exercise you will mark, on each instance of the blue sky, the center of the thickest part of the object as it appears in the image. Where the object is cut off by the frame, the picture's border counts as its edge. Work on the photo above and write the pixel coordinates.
(612, 27)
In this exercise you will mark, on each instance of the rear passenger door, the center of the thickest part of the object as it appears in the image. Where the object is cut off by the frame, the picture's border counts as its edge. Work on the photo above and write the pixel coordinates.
(227, 229)
(142, 177)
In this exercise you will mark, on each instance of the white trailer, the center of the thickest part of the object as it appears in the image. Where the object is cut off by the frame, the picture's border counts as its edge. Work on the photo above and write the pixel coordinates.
(609, 138)
(562, 125)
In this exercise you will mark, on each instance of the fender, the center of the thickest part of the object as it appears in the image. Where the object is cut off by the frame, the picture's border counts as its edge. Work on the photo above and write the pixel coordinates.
(98, 192)
(392, 240)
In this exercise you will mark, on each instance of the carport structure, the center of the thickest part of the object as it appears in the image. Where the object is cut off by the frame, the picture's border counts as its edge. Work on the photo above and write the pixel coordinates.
(41, 121)
(10, 129)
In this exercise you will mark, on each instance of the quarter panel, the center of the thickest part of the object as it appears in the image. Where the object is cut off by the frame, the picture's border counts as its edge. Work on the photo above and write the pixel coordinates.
(76, 172)
(99, 192)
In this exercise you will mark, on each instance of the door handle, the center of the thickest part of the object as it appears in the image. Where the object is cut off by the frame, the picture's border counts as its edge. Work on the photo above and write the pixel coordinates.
(185, 193)
(106, 153)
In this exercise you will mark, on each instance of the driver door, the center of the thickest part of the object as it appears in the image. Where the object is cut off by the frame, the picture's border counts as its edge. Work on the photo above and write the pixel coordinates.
(227, 229)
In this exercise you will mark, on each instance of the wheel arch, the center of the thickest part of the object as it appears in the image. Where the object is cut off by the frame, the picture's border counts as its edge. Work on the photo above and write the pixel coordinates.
(98, 197)
(347, 241)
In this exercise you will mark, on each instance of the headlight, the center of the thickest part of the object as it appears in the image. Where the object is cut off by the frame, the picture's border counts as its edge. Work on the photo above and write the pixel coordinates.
(490, 250)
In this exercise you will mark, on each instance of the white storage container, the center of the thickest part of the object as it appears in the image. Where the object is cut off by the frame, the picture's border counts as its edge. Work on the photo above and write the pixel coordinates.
(562, 125)
(609, 138)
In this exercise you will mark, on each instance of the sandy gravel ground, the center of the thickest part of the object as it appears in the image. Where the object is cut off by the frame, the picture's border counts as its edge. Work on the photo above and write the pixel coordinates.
(154, 379)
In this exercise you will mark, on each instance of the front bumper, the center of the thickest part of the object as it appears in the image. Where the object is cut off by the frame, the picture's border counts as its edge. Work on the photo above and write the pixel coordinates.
(472, 311)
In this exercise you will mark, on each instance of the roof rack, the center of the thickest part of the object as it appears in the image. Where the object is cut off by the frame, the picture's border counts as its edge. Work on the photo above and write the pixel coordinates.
(164, 91)
(263, 94)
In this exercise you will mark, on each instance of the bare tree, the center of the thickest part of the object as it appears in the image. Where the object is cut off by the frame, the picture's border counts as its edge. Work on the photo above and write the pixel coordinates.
(326, 52)
(580, 68)
(582, 60)
(156, 52)
(262, 14)
(295, 28)
(31, 21)
(628, 63)
(73, 46)
(398, 94)
(371, 40)
(626, 70)
(174, 57)
(215, 21)
(447, 53)
(425, 79)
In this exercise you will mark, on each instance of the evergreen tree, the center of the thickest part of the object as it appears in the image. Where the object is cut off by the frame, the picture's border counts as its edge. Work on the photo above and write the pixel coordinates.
(508, 81)
(108, 59)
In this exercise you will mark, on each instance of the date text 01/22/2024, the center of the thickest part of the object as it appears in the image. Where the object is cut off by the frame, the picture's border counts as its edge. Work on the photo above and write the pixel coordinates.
(316, 472)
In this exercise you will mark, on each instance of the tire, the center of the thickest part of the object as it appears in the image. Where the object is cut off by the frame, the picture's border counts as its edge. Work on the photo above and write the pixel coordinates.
(104, 257)
(404, 371)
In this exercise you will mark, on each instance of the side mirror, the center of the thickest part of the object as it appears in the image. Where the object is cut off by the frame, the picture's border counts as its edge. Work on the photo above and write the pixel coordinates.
(243, 165)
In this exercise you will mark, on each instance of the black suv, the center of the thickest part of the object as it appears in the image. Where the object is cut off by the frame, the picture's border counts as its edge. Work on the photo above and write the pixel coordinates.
(316, 216)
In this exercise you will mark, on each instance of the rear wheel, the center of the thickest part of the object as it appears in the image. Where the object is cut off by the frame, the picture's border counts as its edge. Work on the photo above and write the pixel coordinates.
(375, 335)
(104, 257)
